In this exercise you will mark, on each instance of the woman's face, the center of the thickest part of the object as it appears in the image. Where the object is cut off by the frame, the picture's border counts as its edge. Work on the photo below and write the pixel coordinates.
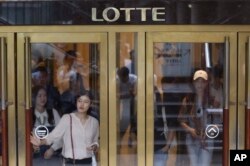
(41, 98)
(200, 85)
(83, 103)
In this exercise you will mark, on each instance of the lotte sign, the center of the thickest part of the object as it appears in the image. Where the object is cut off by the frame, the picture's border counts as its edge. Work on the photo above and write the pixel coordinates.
(157, 13)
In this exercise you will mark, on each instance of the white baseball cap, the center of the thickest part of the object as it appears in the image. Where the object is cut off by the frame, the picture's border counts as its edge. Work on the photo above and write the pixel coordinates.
(200, 74)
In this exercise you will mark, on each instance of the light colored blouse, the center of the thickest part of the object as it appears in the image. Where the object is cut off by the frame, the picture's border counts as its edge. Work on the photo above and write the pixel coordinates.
(83, 135)
(42, 118)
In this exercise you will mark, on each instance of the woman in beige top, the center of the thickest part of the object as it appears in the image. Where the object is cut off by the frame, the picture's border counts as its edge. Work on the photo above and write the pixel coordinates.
(79, 133)
(194, 119)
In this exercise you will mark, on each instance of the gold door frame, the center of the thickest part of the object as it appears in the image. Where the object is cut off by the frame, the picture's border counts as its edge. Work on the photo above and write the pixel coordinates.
(141, 116)
(194, 37)
(10, 98)
(17, 58)
(243, 90)
(24, 93)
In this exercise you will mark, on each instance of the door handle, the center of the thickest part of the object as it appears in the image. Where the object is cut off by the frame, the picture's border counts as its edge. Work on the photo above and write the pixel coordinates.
(27, 73)
(3, 73)
(248, 74)
(243, 103)
(226, 74)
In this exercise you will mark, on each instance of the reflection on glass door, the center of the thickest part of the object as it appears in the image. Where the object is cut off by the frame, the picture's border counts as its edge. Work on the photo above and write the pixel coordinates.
(189, 101)
(126, 84)
(185, 110)
(60, 72)
(66, 100)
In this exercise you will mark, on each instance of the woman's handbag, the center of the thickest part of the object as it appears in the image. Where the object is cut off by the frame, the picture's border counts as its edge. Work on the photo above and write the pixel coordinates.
(94, 162)
(165, 131)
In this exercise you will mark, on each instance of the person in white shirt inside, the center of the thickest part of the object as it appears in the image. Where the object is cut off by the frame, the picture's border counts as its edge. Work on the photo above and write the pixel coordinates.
(79, 133)
(44, 116)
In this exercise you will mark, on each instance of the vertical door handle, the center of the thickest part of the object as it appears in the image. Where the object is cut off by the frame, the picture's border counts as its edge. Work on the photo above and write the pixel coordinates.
(4, 90)
(27, 77)
(226, 74)
(226, 103)
(248, 74)
(247, 112)
(3, 74)
(27, 95)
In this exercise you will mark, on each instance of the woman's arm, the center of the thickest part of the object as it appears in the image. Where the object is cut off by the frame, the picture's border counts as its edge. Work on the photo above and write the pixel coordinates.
(37, 141)
(55, 135)
(95, 144)
(59, 130)
(189, 130)
(183, 119)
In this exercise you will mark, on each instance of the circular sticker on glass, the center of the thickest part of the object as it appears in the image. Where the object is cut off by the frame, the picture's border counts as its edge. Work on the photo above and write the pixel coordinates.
(212, 131)
(41, 131)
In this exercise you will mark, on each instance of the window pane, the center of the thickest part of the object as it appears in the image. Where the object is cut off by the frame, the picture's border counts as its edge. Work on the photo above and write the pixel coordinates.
(127, 98)
(61, 72)
(185, 108)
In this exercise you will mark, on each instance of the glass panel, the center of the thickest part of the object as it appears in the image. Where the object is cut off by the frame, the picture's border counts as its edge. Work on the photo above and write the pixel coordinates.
(61, 72)
(127, 100)
(187, 111)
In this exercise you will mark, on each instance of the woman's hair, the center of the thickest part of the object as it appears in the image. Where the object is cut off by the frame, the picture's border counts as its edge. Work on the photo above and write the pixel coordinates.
(35, 91)
(84, 93)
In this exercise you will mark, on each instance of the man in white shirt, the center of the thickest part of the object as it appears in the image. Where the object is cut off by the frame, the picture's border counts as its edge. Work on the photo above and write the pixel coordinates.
(126, 92)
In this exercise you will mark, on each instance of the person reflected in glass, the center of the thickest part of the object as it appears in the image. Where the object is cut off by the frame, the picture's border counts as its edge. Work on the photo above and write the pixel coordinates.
(44, 116)
(40, 77)
(167, 117)
(69, 72)
(79, 132)
(37, 59)
(67, 98)
(126, 84)
(194, 118)
(130, 63)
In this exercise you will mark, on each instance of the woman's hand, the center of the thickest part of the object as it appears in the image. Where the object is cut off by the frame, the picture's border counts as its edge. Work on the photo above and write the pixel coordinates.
(35, 141)
(92, 147)
(48, 153)
(193, 133)
(165, 149)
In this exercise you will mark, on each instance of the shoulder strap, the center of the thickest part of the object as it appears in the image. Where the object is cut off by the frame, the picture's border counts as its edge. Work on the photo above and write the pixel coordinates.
(164, 121)
(72, 145)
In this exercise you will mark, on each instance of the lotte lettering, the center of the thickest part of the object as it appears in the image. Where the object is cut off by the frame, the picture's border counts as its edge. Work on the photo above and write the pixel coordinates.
(157, 13)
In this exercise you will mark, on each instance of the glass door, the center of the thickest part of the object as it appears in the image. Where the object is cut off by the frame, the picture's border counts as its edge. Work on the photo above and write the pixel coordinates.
(7, 100)
(191, 95)
(53, 70)
(126, 98)
(244, 91)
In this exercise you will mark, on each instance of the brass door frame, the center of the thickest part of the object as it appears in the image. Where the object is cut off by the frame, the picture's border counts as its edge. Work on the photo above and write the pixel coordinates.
(10, 98)
(24, 93)
(141, 116)
(243, 90)
(15, 58)
(195, 37)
